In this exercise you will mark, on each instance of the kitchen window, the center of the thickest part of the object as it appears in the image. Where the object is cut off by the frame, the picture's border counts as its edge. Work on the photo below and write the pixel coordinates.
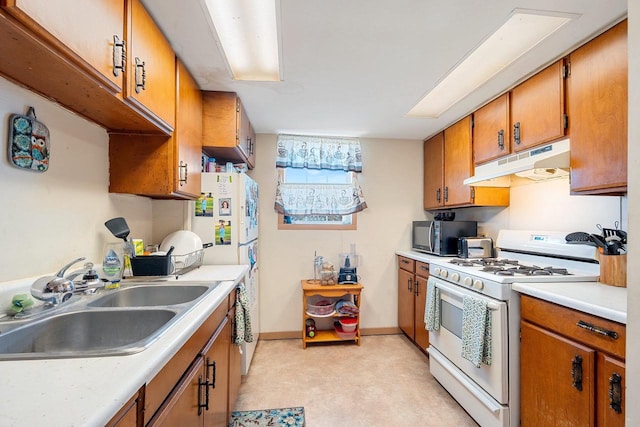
(317, 183)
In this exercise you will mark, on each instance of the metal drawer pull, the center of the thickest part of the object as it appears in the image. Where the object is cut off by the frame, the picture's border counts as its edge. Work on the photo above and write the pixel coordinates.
(119, 59)
(576, 372)
(615, 393)
(501, 139)
(183, 172)
(597, 329)
(203, 386)
(417, 288)
(409, 284)
(141, 76)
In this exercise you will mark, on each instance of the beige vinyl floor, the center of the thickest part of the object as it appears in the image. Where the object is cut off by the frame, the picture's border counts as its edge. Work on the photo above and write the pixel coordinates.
(383, 382)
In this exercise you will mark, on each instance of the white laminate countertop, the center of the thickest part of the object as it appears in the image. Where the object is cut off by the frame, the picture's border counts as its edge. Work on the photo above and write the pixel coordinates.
(420, 256)
(609, 302)
(90, 391)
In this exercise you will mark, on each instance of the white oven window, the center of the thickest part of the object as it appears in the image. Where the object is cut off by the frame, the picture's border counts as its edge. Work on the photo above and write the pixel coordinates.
(451, 318)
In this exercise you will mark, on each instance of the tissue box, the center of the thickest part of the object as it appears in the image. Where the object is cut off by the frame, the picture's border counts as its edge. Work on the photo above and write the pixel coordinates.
(151, 265)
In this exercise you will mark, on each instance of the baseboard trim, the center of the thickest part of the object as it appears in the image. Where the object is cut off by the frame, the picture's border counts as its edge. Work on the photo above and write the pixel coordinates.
(286, 335)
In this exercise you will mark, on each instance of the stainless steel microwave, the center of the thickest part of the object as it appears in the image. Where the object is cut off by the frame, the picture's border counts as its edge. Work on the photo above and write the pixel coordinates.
(441, 237)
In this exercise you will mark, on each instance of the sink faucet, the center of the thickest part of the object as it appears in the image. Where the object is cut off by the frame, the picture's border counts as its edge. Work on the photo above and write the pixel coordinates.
(54, 290)
(89, 282)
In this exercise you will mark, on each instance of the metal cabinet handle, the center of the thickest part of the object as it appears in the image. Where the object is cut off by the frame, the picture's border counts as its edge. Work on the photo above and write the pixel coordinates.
(501, 139)
(417, 293)
(615, 393)
(211, 380)
(203, 405)
(141, 76)
(597, 329)
(516, 133)
(119, 60)
(576, 372)
(438, 195)
(446, 194)
(183, 173)
(409, 284)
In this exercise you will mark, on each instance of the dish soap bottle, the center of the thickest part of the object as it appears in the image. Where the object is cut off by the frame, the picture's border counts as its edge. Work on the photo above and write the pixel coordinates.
(112, 264)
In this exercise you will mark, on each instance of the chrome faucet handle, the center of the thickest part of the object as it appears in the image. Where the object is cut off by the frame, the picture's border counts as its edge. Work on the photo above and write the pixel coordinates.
(54, 290)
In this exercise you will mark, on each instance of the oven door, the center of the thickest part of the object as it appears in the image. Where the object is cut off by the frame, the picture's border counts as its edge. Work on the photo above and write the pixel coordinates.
(494, 378)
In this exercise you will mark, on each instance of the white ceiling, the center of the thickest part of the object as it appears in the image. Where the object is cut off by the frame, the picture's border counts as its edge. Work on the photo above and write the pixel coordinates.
(356, 67)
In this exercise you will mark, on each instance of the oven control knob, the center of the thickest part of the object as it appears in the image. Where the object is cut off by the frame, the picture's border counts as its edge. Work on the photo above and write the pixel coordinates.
(467, 281)
(455, 277)
(478, 284)
(436, 271)
(444, 273)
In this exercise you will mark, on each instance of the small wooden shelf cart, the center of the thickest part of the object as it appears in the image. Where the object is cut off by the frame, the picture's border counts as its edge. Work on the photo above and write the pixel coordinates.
(311, 288)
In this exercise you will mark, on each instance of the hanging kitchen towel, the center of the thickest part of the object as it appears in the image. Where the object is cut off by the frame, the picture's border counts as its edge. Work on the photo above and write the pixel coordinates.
(476, 331)
(243, 316)
(432, 311)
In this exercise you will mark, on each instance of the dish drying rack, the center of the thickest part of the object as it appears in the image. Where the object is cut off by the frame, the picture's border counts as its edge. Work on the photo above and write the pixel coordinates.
(185, 263)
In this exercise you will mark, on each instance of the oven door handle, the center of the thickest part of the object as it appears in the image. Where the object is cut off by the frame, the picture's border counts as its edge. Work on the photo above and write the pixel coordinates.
(449, 289)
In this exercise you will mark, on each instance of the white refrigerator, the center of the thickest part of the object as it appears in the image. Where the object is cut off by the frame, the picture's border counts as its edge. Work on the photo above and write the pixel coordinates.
(226, 214)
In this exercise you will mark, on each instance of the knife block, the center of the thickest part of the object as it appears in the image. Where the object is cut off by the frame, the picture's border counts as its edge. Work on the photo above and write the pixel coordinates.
(613, 270)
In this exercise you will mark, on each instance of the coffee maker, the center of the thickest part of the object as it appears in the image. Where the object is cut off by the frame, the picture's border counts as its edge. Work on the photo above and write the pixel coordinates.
(348, 264)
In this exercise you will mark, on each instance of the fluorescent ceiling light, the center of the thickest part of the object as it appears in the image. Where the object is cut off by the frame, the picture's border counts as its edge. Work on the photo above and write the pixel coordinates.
(522, 32)
(247, 31)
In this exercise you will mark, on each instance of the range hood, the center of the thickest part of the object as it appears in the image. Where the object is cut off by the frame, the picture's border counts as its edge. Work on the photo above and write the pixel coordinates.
(540, 163)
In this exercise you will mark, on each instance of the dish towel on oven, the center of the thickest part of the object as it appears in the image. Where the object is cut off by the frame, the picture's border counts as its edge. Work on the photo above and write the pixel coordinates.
(476, 331)
(243, 317)
(432, 310)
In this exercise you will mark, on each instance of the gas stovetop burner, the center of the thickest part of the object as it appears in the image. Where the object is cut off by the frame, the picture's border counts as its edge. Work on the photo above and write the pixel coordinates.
(508, 267)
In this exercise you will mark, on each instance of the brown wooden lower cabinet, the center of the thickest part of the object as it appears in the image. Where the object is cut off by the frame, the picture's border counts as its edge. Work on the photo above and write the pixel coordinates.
(200, 398)
(131, 414)
(570, 375)
(412, 293)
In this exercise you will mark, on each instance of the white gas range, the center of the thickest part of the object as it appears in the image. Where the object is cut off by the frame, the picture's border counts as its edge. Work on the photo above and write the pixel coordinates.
(490, 392)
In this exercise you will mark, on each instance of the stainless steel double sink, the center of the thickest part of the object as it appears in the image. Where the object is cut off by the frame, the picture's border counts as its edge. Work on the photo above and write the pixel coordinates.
(110, 323)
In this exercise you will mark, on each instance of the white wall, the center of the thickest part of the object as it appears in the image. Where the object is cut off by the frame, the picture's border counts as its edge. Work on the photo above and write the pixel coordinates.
(392, 186)
(48, 219)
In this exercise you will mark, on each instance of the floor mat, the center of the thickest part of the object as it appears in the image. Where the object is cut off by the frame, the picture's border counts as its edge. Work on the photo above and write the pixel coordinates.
(268, 417)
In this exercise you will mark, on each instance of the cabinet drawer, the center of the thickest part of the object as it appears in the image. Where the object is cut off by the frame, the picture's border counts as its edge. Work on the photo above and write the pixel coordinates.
(565, 322)
(422, 269)
(406, 263)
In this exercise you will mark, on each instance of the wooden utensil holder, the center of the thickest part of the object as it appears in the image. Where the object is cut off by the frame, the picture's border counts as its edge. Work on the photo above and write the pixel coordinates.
(613, 270)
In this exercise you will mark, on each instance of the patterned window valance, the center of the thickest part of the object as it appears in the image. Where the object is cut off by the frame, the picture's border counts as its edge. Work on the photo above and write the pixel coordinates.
(321, 199)
(319, 152)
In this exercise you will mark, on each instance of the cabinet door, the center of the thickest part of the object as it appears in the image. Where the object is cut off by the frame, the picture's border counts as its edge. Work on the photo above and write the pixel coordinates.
(557, 380)
(188, 134)
(597, 106)
(458, 164)
(537, 108)
(151, 73)
(491, 134)
(433, 171)
(216, 356)
(611, 391)
(182, 406)
(406, 309)
(421, 333)
(71, 24)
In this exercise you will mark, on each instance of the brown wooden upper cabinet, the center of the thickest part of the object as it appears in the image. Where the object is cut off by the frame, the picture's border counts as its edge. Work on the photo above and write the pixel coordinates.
(537, 109)
(151, 75)
(227, 132)
(597, 91)
(78, 53)
(159, 166)
(491, 130)
(533, 113)
(447, 163)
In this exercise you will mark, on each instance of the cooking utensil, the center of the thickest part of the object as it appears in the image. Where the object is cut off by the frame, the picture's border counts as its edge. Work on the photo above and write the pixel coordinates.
(120, 229)
(579, 237)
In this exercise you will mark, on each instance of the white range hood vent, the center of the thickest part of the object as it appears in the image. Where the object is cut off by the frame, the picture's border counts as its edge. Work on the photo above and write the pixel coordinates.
(540, 163)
